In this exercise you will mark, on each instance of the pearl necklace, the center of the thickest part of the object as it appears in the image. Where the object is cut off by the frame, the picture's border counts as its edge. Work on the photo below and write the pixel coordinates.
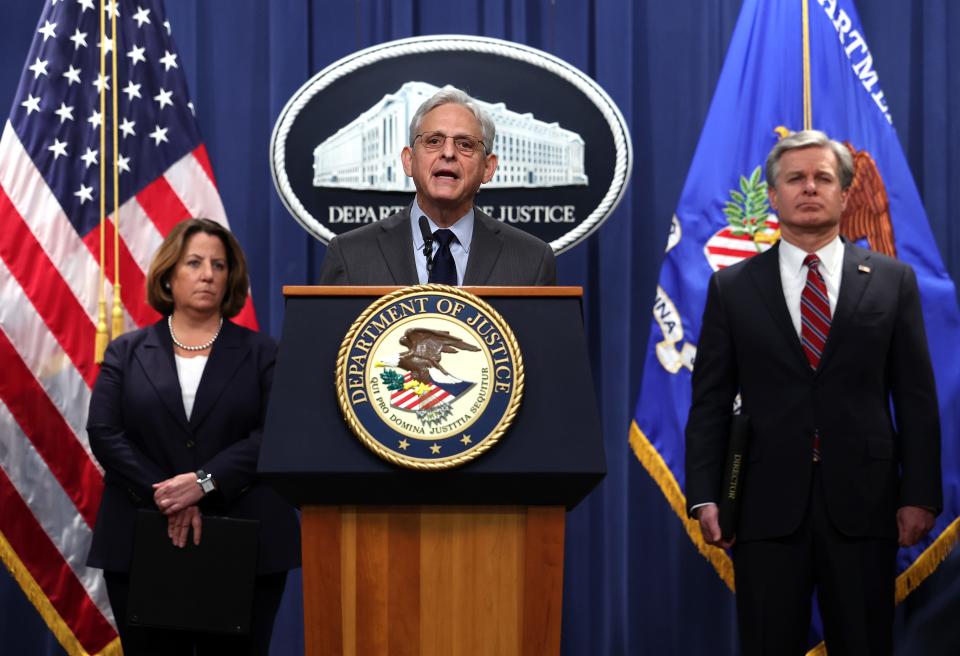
(201, 347)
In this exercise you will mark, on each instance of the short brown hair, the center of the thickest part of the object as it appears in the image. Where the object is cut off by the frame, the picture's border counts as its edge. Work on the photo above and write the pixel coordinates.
(171, 250)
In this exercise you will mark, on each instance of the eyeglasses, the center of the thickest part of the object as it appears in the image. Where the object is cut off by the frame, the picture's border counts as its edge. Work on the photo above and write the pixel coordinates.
(466, 144)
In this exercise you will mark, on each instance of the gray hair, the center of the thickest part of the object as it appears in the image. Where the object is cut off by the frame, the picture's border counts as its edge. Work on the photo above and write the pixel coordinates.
(450, 95)
(806, 139)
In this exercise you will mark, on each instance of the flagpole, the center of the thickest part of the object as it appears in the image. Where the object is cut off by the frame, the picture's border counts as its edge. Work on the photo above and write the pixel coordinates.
(807, 97)
(117, 312)
(820, 649)
(102, 338)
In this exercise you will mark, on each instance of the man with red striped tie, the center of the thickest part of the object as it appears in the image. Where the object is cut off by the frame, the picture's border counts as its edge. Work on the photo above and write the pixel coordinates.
(825, 343)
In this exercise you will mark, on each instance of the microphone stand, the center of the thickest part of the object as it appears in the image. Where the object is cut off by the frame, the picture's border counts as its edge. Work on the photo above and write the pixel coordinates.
(427, 243)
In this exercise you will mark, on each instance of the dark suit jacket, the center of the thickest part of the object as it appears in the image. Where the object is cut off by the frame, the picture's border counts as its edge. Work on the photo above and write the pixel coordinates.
(874, 460)
(140, 435)
(382, 254)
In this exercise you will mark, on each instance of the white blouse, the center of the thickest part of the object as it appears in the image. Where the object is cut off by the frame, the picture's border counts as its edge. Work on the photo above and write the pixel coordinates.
(189, 371)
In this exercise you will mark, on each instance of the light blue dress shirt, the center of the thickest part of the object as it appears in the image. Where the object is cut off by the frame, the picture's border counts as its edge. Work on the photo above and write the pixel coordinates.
(460, 248)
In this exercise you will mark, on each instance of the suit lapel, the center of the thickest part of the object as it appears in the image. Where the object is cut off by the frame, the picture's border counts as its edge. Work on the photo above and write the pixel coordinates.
(853, 283)
(396, 244)
(155, 356)
(765, 272)
(227, 354)
(485, 248)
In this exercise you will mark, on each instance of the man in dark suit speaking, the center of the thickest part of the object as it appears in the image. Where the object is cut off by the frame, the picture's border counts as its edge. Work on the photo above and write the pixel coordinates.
(449, 157)
(825, 343)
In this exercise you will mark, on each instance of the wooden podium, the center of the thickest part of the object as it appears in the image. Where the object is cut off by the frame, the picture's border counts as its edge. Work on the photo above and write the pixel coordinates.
(464, 561)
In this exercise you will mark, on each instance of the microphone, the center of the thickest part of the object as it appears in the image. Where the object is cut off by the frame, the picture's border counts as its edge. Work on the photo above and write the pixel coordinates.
(427, 242)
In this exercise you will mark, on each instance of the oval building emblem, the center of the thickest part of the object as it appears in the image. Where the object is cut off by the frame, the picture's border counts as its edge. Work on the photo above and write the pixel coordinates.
(563, 146)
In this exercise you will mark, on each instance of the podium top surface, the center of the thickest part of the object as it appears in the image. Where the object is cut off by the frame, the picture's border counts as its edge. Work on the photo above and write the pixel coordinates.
(357, 290)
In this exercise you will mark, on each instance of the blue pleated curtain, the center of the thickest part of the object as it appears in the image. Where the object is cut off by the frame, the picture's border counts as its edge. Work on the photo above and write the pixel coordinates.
(633, 582)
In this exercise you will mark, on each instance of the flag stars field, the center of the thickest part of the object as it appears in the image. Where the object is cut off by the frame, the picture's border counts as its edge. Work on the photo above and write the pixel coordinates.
(32, 104)
(136, 55)
(132, 90)
(65, 112)
(164, 98)
(73, 75)
(126, 126)
(48, 31)
(89, 158)
(85, 193)
(39, 68)
(79, 39)
(169, 60)
(142, 16)
(159, 135)
(102, 82)
(58, 148)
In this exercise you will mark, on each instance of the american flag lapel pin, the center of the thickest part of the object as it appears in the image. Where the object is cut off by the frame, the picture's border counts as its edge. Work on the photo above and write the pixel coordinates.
(863, 268)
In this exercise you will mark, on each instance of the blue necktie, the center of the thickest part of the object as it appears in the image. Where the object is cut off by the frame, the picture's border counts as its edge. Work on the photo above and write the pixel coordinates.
(444, 271)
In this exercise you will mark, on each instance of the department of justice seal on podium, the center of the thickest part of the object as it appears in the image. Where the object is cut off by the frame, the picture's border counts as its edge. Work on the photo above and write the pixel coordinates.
(429, 377)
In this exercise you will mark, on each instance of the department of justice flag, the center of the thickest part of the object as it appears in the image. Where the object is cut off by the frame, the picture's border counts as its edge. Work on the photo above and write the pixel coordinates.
(50, 484)
(723, 217)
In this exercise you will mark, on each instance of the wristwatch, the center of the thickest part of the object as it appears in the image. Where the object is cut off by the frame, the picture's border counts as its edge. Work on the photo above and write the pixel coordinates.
(205, 481)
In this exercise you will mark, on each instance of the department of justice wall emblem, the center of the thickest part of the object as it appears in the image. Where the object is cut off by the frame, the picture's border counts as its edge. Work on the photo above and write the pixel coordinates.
(429, 377)
(563, 146)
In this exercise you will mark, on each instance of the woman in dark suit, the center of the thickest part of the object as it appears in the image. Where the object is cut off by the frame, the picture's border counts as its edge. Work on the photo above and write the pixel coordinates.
(176, 421)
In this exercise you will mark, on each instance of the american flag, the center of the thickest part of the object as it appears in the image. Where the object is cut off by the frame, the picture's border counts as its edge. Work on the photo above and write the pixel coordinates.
(50, 484)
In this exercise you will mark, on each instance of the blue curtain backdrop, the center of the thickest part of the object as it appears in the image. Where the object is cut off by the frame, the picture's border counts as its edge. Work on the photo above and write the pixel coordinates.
(633, 582)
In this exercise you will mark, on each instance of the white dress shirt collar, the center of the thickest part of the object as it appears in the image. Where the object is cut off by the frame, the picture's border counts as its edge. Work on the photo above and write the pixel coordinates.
(831, 257)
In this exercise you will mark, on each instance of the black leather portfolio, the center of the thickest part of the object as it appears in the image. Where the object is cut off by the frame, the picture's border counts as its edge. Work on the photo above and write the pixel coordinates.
(733, 471)
(206, 587)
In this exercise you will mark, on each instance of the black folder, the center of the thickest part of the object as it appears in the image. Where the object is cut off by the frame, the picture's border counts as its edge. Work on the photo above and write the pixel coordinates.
(206, 587)
(733, 472)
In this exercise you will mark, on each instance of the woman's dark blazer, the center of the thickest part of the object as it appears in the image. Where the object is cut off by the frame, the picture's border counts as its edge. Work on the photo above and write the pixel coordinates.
(140, 435)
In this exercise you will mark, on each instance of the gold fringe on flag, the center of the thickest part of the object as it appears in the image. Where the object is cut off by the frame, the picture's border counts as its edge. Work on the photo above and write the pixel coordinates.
(928, 561)
(117, 312)
(35, 594)
(653, 462)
